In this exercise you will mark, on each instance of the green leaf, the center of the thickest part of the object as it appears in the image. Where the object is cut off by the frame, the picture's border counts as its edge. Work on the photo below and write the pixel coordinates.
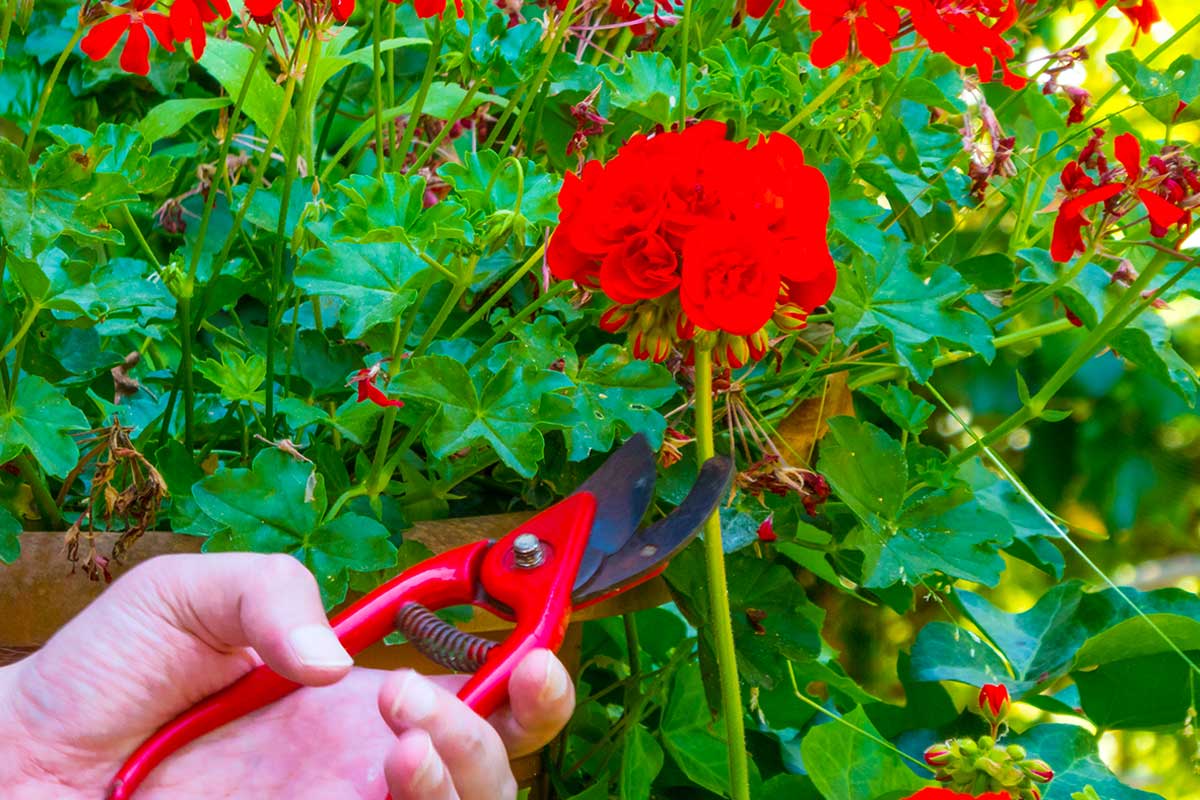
(444, 100)
(990, 272)
(373, 281)
(10, 536)
(239, 379)
(1130, 677)
(40, 420)
(393, 210)
(1071, 750)
(500, 409)
(739, 74)
(330, 65)
(616, 396)
(641, 761)
(1147, 343)
(1160, 93)
(912, 312)
(123, 153)
(171, 116)
(647, 85)
(946, 652)
(865, 467)
(277, 506)
(903, 407)
(485, 185)
(63, 195)
(846, 765)
(690, 732)
(229, 62)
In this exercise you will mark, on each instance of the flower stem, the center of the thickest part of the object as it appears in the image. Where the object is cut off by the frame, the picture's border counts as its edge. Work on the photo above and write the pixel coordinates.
(44, 100)
(686, 22)
(535, 87)
(718, 595)
(832, 88)
(1093, 344)
(41, 494)
(500, 293)
(414, 116)
(377, 83)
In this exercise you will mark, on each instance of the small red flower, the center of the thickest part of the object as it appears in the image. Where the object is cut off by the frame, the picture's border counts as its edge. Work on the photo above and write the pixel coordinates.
(432, 8)
(766, 530)
(1142, 13)
(870, 24)
(367, 390)
(262, 11)
(959, 29)
(102, 37)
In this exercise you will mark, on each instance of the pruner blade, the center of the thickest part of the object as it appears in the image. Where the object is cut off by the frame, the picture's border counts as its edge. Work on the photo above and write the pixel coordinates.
(645, 551)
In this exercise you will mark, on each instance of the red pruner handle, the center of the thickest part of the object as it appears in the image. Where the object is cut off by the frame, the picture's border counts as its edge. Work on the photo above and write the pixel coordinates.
(539, 597)
(445, 580)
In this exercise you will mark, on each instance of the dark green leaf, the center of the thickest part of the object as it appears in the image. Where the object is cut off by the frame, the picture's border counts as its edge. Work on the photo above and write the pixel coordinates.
(373, 280)
(845, 764)
(40, 419)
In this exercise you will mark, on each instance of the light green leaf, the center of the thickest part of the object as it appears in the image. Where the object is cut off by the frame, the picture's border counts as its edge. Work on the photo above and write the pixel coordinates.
(277, 506)
(10, 536)
(846, 765)
(171, 116)
(641, 761)
(865, 467)
(373, 280)
(40, 420)
(239, 379)
(691, 733)
(229, 62)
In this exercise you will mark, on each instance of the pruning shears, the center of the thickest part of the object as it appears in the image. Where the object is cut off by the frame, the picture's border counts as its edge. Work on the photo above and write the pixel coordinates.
(584, 549)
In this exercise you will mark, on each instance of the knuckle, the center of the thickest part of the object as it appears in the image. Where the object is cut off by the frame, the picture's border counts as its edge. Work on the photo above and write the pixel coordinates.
(279, 568)
(472, 744)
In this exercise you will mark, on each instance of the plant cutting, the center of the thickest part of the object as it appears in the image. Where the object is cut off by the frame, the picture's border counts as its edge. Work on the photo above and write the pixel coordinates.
(305, 277)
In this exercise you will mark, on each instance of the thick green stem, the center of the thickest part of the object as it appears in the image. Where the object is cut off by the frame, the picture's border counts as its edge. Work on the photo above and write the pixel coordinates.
(500, 293)
(41, 494)
(686, 22)
(718, 595)
(44, 100)
(464, 105)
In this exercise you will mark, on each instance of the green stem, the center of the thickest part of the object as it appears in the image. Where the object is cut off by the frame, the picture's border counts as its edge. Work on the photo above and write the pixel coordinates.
(414, 116)
(535, 86)
(339, 92)
(463, 105)
(304, 117)
(718, 595)
(500, 293)
(1096, 340)
(41, 495)
(832, 88)
(953, 357)
(1047, 290)
(44, 100)
(141, 240)
(686, 22)
(22, 329)
(377, 80)
(10, 12)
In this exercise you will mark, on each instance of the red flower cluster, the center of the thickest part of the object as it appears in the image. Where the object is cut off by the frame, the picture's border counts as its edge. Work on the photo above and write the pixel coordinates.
(183, 22)
(688, 230)
(969, 32)
(1165, 188)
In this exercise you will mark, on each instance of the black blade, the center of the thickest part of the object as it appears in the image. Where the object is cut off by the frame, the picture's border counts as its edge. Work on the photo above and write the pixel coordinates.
(651, 547)
(623, 487)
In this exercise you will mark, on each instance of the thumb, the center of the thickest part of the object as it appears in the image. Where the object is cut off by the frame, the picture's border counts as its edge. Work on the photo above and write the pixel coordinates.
(231, 601)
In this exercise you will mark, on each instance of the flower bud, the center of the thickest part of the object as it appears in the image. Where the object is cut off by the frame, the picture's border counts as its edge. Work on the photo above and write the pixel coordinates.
(658, 345)
(968, 747)
(989, 766)
(994, 704)
(766, 533)
(639, 349)
(616, 318)
(1015, 752)
(684, 327)
(759, 343)
(1039, 770)
(986, 743)
(790, 317)
(938, 755)
(734, 352)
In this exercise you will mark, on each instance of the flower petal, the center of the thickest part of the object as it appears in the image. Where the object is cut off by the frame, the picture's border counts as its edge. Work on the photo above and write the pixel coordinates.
(873, 43)
(160, 26)
(1129, 153)
(135, 55)
(1162, 212)
(831, 46)
(103, 36)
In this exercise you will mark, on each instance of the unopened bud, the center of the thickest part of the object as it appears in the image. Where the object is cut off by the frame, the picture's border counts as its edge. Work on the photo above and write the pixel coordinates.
(759, 343)
(616, 318)
(766, 533)
(1015, 752)
(938, 755)
(989, 766)
(994, 703)
(1039, 770)
(684, 327)
(790, 317)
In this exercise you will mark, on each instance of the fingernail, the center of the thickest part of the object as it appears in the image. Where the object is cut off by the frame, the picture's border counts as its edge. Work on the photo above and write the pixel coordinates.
(318, 646)
(415, 700)
(428, 774)
(555, 683)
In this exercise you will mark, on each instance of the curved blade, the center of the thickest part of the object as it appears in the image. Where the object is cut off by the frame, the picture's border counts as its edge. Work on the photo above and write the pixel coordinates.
(623, 487)
(646, 551)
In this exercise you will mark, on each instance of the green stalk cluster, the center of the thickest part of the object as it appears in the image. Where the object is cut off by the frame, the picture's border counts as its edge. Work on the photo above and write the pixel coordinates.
(978, 766)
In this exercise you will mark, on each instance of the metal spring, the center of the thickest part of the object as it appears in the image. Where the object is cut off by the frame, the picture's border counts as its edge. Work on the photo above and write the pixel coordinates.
(441, 642)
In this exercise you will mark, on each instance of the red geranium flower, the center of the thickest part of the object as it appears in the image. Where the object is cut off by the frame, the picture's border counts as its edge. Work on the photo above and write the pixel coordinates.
(730, 281)
(262, 11)
(104, 35)
(432, 8)
(955, 27)
(367, 390)
(1142, 13)
(872, 24)
(188, 18)
(1144, 186)
(766, 530)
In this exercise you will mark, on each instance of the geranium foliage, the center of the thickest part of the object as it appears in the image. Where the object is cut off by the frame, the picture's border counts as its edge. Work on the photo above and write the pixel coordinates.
(292, 276)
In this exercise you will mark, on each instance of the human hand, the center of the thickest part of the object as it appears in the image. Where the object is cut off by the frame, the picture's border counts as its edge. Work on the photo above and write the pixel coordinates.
(178, 628)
